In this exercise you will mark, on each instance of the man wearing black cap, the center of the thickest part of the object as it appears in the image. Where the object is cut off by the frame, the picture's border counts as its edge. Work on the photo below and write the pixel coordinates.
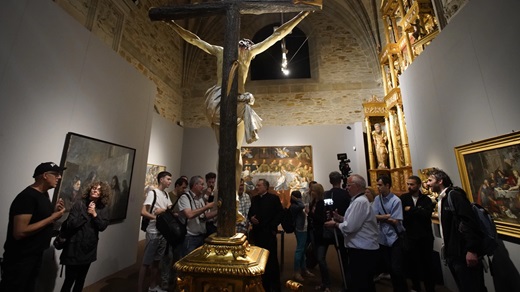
(30, 229)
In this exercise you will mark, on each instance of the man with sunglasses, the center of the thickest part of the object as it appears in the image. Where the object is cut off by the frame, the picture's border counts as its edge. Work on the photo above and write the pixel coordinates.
(30, 228)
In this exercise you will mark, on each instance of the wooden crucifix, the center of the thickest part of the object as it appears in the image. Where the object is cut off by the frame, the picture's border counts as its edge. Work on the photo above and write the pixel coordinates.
(229, 86)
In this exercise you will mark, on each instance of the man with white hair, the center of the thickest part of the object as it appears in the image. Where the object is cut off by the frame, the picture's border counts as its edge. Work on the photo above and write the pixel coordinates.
(360, 231)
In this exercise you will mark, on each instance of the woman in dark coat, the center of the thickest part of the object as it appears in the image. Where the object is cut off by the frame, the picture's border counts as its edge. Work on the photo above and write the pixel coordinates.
(87, 218)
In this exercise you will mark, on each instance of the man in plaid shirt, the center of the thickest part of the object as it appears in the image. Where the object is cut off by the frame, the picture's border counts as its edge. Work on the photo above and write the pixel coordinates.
(244, 204)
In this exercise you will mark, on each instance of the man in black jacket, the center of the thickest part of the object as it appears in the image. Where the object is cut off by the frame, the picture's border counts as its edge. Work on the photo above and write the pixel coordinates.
(341, 201)
(460, 232)
(265, 215)
(417, 213)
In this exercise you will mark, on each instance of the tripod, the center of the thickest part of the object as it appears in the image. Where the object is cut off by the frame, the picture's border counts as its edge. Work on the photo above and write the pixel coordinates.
(340, 258)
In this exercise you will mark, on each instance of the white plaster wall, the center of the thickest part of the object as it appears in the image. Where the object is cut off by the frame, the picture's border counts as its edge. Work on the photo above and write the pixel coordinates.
(166, 145)
(463, 88)
(55, 78)
(200, 148)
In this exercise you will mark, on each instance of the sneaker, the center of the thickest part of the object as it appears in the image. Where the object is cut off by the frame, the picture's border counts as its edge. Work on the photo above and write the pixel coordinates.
(298, 277)
(385, 276)
(156, 289)
(307, 273)
(381, 277)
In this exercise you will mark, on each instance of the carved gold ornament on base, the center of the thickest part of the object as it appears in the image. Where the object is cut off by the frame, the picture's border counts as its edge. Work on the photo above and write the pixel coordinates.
(223, 264)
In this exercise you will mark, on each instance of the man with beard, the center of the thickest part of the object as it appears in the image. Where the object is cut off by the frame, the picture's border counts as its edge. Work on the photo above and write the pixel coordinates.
(417, 212)
(460, 233)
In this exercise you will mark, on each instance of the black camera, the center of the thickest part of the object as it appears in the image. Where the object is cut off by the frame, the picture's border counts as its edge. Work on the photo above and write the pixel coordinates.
(344, 166)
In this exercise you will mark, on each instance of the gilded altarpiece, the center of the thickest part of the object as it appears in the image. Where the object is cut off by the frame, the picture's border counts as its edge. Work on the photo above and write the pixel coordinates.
(387, 139)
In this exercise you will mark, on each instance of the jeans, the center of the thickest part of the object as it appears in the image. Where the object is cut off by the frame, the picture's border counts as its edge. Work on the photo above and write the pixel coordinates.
(321, 254)
(299, 253)
(154, 249)
(191, 242)
(167, 271)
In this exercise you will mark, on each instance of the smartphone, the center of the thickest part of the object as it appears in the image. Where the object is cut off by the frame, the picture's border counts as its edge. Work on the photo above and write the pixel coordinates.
(328, 208)
(328, 202)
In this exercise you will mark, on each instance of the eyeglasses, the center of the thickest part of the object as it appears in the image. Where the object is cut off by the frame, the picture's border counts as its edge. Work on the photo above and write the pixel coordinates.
(56, 174)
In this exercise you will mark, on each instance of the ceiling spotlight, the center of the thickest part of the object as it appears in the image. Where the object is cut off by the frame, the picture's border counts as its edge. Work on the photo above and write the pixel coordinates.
(284, 68)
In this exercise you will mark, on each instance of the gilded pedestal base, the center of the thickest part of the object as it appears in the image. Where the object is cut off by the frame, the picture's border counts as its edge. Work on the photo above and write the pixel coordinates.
(223, 264)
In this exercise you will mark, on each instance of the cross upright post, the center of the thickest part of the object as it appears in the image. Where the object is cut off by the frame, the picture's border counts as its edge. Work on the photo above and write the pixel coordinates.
(226, 260)
(228, 135)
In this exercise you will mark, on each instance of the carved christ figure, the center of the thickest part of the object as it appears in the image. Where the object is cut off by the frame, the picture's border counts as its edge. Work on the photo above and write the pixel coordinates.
(248, 122)
(380, 139)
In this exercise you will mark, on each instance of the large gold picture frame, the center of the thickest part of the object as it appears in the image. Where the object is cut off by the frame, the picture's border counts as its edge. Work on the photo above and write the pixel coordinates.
(489, 172)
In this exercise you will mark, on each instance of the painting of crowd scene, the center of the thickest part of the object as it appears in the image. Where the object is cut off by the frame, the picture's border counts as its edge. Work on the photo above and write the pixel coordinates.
(89, 160)
(493, 176)
(286, 168)
(150, 181)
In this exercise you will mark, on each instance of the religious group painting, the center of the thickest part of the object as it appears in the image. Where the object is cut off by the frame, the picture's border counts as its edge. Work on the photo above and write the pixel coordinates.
(286, 168)
(88, 160)
(489, 171)
(152, 170)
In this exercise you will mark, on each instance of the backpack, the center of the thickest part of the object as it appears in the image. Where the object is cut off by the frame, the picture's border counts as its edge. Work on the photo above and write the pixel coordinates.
(287, 221)
(486, 224)
(171, 226)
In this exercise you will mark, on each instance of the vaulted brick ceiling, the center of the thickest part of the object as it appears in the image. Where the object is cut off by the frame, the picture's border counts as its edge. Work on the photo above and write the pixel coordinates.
(358, 16)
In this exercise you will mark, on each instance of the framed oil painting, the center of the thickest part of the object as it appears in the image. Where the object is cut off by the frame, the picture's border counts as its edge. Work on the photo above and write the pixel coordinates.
(286, 168)
(152, 171)
(489, 174)
(87, 160)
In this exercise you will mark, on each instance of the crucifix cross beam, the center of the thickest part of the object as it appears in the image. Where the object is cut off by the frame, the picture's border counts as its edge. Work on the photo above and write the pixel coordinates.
(204, 9)
(228, 153)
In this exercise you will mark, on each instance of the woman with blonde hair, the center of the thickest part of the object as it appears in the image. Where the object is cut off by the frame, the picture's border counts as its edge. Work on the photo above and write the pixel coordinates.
(299, 215)
(317, 218)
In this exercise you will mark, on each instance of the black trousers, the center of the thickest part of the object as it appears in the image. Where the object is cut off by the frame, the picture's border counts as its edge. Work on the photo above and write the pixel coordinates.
(393, 256)
(363, 267)
(419, 263)
(467, 279)
(19, 275)
(75, 275)
(271, 277)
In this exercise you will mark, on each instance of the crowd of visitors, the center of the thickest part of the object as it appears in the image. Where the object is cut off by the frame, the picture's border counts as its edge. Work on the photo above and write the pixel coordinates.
(372, 230)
